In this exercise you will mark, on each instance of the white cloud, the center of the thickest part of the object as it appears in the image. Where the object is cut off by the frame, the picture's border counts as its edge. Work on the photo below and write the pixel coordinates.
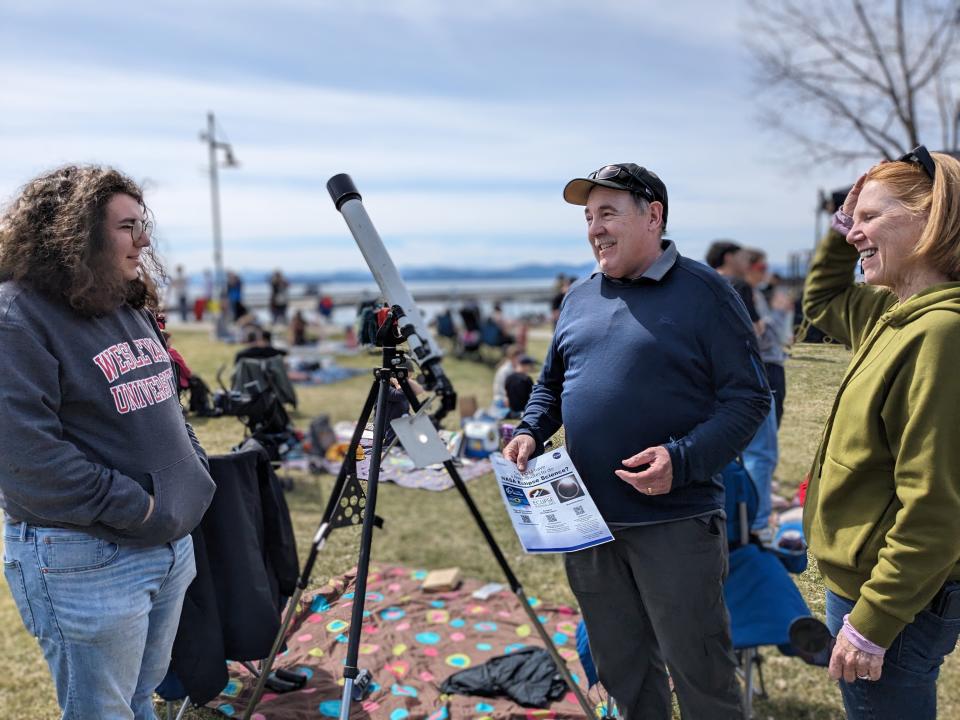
(461, 178)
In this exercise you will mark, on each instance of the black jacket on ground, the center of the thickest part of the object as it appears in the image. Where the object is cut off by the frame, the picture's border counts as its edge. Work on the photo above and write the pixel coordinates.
(529, 677)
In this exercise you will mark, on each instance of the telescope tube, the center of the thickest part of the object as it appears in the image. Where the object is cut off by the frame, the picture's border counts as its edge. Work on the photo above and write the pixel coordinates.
(423, 346)
(347, 199)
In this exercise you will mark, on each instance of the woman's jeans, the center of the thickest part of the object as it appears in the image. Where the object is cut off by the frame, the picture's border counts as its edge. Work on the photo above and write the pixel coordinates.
(907, 687)
(104, 615)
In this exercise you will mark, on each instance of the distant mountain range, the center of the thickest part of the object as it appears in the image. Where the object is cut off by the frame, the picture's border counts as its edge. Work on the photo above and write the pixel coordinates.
(525, 272)
(439, 272)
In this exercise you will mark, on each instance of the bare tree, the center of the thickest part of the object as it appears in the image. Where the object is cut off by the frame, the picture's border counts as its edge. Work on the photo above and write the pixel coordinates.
(847, 79)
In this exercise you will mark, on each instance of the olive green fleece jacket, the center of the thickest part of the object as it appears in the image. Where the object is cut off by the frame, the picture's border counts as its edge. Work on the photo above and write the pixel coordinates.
(882, 510)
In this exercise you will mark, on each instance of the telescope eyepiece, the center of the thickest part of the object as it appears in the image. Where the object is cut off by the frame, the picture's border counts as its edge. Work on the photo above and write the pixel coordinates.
(341, 189)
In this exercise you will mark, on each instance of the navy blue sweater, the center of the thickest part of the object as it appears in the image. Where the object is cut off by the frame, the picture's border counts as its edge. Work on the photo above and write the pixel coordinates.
(668, 359)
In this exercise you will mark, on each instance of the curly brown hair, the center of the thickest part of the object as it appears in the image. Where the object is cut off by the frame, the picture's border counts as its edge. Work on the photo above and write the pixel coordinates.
(53, 239)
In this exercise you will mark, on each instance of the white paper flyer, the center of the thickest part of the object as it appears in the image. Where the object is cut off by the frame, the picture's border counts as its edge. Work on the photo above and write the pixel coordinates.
(549, 505)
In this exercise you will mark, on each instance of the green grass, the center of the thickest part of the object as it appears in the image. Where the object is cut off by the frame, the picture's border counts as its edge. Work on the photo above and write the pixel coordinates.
(427, 529)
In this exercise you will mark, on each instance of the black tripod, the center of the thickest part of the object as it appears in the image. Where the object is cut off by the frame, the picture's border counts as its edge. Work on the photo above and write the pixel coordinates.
(348, 507)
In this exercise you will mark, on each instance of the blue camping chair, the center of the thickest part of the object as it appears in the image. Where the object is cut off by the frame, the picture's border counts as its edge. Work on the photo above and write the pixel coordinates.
(446, 327)
(764, 603)
(493, 337)
(609, 706)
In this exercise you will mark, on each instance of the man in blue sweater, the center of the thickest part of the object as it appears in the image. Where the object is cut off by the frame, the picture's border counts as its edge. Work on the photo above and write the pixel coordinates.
(654, 373)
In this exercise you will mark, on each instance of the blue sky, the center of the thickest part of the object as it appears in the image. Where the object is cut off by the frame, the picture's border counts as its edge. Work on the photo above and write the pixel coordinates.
(459, 121)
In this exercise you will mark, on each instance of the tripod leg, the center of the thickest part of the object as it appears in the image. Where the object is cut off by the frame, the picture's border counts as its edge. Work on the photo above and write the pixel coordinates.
(350, 670)
(350, 459)
(348, 466)
(183, 708)
(518, 591)
(515, 585)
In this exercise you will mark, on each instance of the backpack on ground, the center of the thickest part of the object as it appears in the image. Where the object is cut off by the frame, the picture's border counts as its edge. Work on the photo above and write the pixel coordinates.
(200, 399)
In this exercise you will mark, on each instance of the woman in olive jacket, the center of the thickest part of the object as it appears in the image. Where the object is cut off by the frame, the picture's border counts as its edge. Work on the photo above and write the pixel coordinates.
(884, 499)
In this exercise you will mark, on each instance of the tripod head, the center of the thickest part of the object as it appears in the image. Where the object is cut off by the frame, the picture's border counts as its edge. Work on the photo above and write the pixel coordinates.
(390, 332)
(423, 347)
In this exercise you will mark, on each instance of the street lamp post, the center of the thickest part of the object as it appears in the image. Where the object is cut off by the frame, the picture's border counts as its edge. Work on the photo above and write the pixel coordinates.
(213, 145)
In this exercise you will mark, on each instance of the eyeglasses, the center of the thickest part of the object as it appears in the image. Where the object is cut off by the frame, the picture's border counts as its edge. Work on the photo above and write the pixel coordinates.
(921, 156)
(615, 172)
(139, 228)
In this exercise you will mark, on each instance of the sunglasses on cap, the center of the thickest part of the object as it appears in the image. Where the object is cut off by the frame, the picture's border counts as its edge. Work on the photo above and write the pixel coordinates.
(624, 176)
(920, 156)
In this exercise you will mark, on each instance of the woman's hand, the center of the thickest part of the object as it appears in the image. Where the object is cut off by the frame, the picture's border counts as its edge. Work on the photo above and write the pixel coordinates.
(850, 204)
(848, 663)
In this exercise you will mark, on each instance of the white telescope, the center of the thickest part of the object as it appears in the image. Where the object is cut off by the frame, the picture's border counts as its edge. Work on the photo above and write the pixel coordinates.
(423, 346)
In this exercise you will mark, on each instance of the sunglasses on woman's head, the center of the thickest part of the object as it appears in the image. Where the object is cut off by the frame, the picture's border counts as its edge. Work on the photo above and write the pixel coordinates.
(920, 156)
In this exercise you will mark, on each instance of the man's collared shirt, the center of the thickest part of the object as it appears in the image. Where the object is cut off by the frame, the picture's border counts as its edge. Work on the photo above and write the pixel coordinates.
(658, 270)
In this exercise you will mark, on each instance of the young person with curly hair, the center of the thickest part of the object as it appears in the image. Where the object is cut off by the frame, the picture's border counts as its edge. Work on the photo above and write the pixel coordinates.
(101, 481)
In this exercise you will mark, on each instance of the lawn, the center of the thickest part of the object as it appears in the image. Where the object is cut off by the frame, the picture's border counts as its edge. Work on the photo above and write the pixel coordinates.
(428, 530)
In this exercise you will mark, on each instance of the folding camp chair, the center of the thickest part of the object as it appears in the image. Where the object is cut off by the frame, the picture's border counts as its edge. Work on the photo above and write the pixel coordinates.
(470, 314)
(247, 566)
(447, 329)
(172, 691)
(260, 388)
(590, 670)
(492, 336)
(268, 372)
(765, 606)
(470, 340)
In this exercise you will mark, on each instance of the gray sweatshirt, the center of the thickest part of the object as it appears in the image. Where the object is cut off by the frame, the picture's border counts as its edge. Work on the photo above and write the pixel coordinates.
(777, 331)
(90, 423)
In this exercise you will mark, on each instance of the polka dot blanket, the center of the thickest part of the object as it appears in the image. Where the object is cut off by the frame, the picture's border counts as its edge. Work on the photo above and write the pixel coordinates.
(411, 642)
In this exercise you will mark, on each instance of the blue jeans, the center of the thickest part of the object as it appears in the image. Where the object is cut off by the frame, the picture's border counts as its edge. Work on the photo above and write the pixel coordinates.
(104, 615)
(907, 687)
(760, 460)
